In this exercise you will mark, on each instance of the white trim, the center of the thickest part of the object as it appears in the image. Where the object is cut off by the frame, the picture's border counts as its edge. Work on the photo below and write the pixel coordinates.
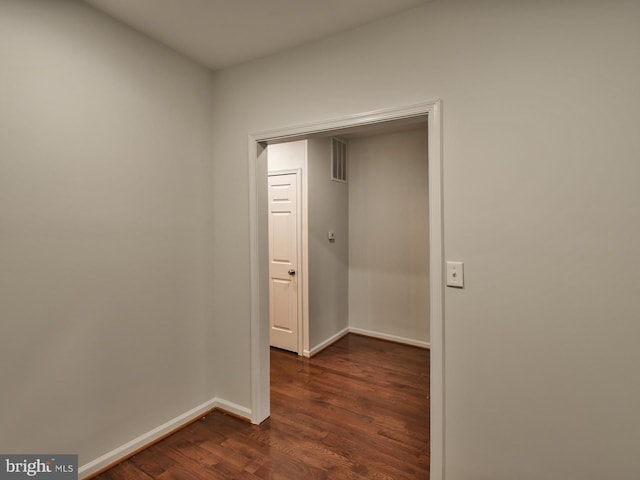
(304, 229)
(148, 438)
(436, 293)
(360, 119)
(392, 338)
(318, 348)
(259, 303)
(233, 408)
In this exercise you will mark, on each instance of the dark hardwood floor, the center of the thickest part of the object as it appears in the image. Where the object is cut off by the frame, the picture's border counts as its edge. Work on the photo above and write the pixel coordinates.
(357, 410)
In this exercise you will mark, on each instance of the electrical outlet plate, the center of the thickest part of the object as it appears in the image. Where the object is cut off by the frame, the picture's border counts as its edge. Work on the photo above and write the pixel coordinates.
(455, 274)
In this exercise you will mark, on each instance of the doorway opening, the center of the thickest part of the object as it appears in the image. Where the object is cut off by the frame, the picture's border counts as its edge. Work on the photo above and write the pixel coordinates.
(383, 119)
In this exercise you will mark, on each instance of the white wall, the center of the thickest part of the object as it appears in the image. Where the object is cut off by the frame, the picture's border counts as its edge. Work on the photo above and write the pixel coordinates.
(540, 148)
(287, 156)
(105, 206)
(328, 261)
(389, 235)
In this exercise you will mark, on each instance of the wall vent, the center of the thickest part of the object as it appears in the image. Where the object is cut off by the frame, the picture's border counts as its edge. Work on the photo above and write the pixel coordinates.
(338, 160)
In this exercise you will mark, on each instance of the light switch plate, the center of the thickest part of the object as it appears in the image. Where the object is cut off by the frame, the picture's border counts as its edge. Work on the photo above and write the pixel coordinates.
(455, 274)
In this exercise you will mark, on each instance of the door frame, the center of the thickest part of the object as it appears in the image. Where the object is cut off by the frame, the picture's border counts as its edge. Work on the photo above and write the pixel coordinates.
(301, 246)
(259, 307)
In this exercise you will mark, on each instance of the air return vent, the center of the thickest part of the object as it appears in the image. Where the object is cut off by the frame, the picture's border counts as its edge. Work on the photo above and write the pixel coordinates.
(338, 160)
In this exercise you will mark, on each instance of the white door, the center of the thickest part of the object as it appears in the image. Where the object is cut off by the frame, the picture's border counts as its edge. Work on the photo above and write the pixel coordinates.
(283, 261)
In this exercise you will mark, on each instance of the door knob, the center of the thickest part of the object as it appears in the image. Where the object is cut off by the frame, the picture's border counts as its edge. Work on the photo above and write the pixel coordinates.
(291, 272)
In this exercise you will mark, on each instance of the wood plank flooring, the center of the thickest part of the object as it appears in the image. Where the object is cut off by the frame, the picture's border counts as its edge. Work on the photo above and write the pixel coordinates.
(357, 410)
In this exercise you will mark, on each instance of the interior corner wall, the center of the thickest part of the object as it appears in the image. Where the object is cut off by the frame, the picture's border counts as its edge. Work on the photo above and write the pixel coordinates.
(328, 211)
(540, 149)
(105, 217)
(389, 235)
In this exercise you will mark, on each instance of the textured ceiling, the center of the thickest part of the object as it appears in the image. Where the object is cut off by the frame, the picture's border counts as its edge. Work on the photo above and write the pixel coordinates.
(221, 33)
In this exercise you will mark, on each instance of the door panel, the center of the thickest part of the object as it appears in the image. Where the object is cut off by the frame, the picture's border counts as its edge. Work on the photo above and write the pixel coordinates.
(281, 241)
(283, 261)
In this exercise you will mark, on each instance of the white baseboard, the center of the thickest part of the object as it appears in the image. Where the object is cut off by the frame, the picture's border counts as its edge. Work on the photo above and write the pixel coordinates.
(325, 344)
(366, 333)
(233, 408)
(150, 437)
(392, 338)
